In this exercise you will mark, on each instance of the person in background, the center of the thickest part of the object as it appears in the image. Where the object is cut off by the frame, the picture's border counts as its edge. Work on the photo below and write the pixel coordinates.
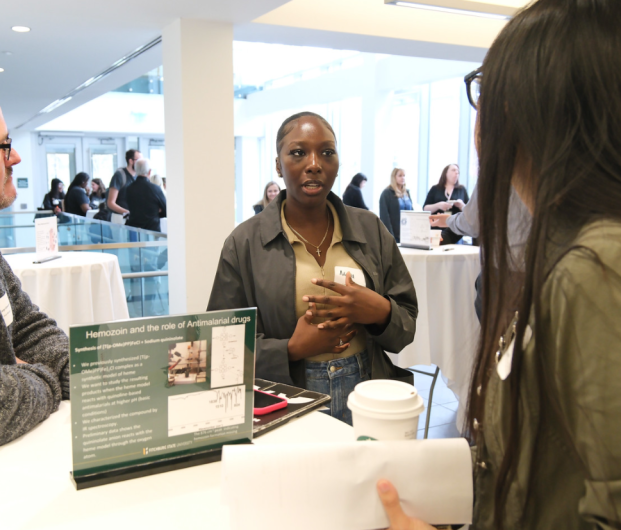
(272, 189)
(147, 202)
(53, 199)
(393, 199)
(448, 195)
(545, 400)
(353, 192)
(158, 181)
(76, 200)
(34, 351)
(126, 175)
(98, 193)
(317, 328)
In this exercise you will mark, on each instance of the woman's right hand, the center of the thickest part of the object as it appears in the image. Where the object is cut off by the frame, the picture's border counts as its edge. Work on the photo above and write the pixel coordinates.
(307, 340)
(444, 206)
(398, 520)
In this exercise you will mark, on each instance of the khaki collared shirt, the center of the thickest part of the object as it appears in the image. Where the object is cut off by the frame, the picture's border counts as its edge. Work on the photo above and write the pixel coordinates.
(307, 268)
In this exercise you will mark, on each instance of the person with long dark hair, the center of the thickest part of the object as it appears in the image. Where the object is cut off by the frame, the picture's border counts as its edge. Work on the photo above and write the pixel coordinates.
(448, 194)
(353, 192)
(53, 199)
(545, 400)
(318, 327)
(98, 193)
(76, 200)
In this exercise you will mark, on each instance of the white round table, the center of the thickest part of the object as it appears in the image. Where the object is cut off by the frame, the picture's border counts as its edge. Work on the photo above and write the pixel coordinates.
(36, 491)
(79, 288)
(447, 328)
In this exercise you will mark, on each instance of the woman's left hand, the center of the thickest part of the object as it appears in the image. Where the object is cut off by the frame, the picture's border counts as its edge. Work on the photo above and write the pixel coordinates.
(356, 305)
(460, 204)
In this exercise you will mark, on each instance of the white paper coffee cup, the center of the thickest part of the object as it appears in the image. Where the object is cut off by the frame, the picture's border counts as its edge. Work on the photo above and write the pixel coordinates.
(383, 409)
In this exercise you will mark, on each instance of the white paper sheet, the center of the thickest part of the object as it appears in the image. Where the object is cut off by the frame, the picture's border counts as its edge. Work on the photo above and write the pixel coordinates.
(333, 486)
(46, 235)
(415, 229)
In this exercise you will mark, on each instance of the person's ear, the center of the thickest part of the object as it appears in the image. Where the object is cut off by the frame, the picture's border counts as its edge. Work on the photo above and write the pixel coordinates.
(278, 171)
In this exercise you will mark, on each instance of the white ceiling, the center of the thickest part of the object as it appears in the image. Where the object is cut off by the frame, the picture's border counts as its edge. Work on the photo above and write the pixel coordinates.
(73, 40)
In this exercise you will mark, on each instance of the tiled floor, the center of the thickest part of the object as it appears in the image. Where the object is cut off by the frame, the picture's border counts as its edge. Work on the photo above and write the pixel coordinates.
(444, 407)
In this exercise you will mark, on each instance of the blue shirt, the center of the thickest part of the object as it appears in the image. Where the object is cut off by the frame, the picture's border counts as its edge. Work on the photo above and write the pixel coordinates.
(405, 203)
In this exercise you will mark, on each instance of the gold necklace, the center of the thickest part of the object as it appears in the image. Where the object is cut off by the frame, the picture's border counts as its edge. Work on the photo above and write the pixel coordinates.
(307, 241)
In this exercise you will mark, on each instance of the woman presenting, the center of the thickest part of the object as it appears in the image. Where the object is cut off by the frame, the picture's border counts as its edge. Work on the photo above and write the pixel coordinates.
(330, 285)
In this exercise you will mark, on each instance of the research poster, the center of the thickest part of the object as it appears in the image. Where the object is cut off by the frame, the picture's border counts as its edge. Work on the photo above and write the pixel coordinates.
(152, 389)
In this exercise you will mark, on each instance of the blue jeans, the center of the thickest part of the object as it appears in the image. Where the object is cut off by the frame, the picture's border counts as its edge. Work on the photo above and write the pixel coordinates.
(337, 379)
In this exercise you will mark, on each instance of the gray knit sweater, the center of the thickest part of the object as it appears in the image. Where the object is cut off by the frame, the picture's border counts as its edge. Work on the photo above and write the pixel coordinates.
(29, 393)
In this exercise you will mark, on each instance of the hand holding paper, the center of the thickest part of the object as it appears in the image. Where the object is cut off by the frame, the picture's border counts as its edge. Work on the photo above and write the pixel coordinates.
(273, 487)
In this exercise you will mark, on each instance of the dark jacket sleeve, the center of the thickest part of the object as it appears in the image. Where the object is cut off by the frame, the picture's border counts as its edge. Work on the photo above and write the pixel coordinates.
(161, 199)
(229, 292)
(385, 210)
(399, 290)
(47, 202)
(29, 393)
(258, 208)
(353, 197)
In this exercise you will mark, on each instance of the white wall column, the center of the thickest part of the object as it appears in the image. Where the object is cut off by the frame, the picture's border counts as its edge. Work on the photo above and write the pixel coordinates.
(200, 165)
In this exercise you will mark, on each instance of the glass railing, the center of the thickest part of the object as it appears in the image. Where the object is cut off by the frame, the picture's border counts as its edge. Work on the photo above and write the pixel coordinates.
(142, 254)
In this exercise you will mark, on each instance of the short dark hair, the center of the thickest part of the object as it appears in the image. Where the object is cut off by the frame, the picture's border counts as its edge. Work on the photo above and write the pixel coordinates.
(288, 125)
(129, 155)
(358, 179)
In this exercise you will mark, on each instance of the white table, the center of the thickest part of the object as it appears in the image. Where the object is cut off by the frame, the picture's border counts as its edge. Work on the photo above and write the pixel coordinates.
(80, 288)
(447, 328)
(37, 493)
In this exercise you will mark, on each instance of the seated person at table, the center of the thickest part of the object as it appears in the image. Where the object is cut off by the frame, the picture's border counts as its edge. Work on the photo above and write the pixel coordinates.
(53, 200)
(34, 357)
(313, 332)
(76, 200)
(447, 189)
(545, 399)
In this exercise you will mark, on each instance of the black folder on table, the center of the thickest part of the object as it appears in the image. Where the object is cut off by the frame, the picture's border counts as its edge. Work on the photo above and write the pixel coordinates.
(308, 401)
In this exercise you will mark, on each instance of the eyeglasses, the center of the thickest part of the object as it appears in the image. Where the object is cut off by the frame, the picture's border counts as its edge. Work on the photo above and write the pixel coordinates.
(7, 147)
(473, 86)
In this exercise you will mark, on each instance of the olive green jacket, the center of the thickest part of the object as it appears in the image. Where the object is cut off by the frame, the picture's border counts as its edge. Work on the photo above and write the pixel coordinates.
(577, 482)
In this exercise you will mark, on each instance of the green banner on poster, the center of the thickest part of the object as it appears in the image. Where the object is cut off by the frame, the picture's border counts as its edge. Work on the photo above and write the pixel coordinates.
(152, 389)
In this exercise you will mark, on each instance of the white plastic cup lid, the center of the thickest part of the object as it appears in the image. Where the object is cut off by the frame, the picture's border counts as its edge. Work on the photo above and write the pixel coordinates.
(386, 398)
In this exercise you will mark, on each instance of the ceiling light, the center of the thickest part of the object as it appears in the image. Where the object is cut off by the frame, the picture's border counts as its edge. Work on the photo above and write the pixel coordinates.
(21, 29)
(1, 70)
(54, 105)
(458, 7)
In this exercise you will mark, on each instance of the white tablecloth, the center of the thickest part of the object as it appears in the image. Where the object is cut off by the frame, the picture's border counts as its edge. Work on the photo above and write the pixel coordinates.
(447, 328)
(79, 288)
(37, 493)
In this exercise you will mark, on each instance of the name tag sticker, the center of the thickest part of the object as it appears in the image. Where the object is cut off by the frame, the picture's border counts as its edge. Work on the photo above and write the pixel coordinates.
(340, 274)
(5, 308)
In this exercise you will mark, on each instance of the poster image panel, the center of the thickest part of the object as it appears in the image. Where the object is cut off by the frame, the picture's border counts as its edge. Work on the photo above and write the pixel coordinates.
(143, 390)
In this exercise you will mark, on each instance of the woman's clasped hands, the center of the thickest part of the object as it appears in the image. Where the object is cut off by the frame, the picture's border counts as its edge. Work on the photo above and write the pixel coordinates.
(355, 305)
